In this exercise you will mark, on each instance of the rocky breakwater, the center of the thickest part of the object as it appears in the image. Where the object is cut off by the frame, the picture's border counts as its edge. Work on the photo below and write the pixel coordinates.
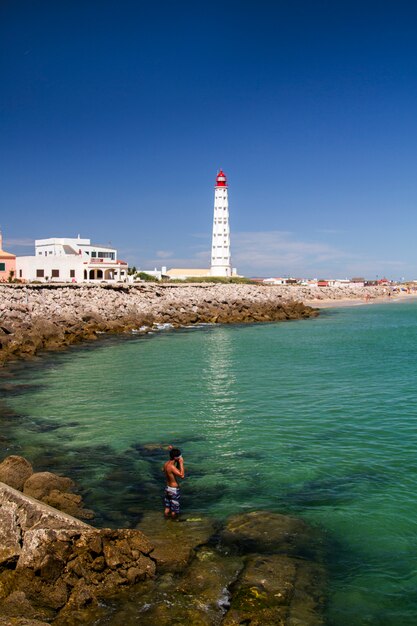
(47, 317)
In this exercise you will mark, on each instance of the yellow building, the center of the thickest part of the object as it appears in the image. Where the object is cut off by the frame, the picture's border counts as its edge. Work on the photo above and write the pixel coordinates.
(182, 274)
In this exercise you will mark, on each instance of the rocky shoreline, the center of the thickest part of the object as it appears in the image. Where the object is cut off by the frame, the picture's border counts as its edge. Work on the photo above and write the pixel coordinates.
(49, 317)
(254, 568)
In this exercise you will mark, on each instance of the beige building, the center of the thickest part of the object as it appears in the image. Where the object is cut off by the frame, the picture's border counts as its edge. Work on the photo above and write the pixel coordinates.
(7, 263)
(182, 274)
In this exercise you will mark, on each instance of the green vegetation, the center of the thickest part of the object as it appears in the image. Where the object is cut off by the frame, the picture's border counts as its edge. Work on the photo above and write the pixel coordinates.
(146, 277)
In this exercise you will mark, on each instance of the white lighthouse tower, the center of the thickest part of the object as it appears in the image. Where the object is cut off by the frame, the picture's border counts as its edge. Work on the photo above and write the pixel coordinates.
(220, 247)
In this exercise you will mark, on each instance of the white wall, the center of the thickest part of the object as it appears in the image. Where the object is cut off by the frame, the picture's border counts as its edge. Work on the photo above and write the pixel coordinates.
(27, 266)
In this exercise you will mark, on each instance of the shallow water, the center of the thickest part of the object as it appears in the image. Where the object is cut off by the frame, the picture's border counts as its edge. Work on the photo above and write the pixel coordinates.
(315, 418)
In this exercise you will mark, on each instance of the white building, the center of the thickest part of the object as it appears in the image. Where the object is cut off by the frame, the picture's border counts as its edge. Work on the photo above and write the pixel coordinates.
(71, 260)
(220, 247)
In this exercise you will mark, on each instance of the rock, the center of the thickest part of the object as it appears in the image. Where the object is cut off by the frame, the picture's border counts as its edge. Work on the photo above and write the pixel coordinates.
(10, 533)
(263, 532)
(54, 490)
(196, 596)
(57, 564)
(175, 541)
(14, 471)
(18, 610)
(277, 590)
(28, 512)
(40, 484)
(21, 621)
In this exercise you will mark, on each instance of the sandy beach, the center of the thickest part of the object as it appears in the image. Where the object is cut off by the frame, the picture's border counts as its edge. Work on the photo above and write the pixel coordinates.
(347, 302)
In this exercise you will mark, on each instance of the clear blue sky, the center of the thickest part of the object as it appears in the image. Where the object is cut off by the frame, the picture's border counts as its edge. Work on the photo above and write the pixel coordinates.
(115, 117)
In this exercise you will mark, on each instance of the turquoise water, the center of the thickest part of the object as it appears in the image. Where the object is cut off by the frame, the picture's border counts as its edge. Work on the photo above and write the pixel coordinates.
(315, 418)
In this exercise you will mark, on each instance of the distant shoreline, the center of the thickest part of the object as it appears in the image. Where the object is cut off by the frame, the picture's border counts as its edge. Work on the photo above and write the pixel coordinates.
(348, 302)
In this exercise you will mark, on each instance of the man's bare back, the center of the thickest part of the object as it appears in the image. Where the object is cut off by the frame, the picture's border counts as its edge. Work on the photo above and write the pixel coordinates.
(171, 471)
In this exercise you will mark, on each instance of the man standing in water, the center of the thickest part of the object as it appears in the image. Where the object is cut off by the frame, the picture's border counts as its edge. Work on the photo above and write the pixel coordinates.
(173, 469)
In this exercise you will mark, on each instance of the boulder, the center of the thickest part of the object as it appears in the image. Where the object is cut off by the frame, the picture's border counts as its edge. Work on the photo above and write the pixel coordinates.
(40, 484)
(263, 532)
(55, 491)
(14, 471)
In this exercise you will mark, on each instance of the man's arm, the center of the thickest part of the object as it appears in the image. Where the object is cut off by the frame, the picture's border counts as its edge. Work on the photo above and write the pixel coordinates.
(178, 471)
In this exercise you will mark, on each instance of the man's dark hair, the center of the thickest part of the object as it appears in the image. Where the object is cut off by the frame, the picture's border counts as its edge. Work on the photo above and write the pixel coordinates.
(174, 453)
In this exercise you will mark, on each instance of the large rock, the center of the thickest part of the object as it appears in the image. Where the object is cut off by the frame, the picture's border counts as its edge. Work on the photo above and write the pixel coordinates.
(56, 491)
(263, 532)
(40, 484)
(277, 590)
(14, 471)
(175, 541)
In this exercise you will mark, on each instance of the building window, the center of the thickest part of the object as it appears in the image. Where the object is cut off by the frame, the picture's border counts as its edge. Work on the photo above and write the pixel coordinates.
(55, 273)
(106, 255)
(93, 255)
(2, 267)
(72, 273)
(20, 273)
(40, 273)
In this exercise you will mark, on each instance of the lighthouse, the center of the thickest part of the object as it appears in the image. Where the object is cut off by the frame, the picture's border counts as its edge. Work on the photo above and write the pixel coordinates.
(220, 246)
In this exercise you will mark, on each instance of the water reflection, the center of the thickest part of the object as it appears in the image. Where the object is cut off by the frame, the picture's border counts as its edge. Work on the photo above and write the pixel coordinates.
(219, 401)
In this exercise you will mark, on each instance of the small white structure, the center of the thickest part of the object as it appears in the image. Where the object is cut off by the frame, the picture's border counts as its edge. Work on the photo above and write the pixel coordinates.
(71, 260)
(280, 281)
(220, 247)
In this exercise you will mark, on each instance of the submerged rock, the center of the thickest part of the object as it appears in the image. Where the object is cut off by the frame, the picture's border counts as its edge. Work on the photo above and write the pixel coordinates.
(277, 590)
(264, 532)
(175, 541)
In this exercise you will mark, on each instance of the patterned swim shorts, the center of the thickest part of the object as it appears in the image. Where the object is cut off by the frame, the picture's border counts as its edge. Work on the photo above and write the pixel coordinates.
(172, 499)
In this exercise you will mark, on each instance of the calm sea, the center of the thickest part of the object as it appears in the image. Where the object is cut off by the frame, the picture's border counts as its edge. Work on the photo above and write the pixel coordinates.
(315, 418)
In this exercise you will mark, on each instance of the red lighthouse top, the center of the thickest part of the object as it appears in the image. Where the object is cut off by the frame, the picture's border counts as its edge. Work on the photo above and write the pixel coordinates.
(221, 180)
